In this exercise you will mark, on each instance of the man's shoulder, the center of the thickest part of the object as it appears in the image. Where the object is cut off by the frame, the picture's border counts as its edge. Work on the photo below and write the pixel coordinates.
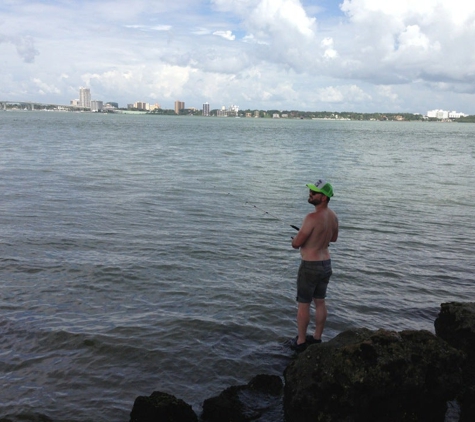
(315, 216)
(320, 215)
(320, 212)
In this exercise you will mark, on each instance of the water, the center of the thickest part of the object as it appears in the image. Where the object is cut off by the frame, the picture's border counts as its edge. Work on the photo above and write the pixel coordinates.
(133, 257)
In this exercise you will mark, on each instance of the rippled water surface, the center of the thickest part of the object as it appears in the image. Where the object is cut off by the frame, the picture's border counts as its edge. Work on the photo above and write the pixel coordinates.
(143, 253)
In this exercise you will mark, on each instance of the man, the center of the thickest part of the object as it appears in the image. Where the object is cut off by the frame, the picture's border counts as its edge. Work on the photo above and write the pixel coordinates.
(319, 228)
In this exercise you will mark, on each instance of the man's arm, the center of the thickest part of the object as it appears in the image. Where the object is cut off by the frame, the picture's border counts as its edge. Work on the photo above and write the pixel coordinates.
(303, 233)
(335, 232)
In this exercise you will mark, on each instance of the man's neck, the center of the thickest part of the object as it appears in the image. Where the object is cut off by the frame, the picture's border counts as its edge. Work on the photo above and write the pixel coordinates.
(321, 206)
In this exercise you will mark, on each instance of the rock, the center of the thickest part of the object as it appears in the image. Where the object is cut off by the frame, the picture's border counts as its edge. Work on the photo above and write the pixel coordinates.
(467, 401)
(456, 325)
(244, 402)
(364, 375)
(161, 407)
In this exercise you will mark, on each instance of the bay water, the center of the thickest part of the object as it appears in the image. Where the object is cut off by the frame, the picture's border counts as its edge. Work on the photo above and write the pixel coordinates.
(152, 253)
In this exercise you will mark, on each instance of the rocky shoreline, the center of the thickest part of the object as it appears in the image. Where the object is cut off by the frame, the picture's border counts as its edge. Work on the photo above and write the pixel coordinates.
(360, 375)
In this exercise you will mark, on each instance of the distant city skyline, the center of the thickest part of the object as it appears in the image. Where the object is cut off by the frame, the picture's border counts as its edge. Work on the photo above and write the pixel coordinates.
(233, 110)
(85, 101)
(85, 96)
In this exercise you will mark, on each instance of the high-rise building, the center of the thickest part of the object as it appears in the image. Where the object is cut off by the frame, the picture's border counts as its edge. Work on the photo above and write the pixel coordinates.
(84, 97)
(97, 105)
(205, 109)
(179, 105)
(140, 105)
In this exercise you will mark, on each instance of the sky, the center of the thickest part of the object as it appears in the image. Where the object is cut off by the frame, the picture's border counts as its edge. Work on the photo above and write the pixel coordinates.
(394, 56)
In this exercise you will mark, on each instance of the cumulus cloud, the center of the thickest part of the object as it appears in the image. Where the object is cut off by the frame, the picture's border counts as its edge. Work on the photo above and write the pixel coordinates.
(25, 47)
(279, 18)
(387, 92)
(225, 34)
(44, 88)
(252, 40)
(282, 28)
(365, 54)
(165, 81)
(340, 94)
(327, 46)
(394, 36)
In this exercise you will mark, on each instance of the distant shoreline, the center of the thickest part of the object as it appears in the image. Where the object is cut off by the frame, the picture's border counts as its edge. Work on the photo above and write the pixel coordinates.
(267, 114)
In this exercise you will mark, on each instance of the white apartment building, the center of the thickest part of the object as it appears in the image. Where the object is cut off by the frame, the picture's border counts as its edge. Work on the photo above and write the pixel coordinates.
(97, 105)
(456, 115)
(84, 97)
(140, 105)
(443, 114)
(205, 109)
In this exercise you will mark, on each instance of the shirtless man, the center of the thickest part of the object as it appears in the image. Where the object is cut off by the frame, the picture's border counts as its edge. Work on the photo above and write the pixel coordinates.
(319, 228)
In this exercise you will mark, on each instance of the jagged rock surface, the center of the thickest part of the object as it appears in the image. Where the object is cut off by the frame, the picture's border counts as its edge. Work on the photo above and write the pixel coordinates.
(161, 407)
(244, 403)
(456, 325)
(379, 375)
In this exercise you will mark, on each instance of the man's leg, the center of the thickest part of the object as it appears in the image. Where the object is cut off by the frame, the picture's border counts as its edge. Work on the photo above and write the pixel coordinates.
(303, 319)
(320, 318)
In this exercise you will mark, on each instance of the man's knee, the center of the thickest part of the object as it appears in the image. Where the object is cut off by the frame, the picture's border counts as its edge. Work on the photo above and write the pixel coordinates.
(303, 308)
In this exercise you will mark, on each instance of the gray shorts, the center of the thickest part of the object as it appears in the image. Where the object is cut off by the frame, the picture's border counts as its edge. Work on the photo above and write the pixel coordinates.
(312, 280)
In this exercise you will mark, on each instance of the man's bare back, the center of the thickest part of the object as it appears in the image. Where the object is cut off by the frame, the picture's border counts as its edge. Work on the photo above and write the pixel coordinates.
(319, 228)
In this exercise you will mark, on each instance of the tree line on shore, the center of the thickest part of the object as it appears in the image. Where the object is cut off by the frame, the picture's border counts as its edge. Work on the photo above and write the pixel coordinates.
(296, 114)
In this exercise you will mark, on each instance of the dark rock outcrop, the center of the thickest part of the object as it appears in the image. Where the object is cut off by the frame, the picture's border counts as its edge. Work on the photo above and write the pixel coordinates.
(244, 402)
(161, 407)
(456, 325)
(383, 375)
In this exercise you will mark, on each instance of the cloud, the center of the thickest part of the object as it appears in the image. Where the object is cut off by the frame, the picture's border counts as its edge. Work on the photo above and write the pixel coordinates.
(387, 92)
(165, 81)
(281, 30)
(25, 47)
(201, 31)
(289, 54)
(44, 88)
(327, 45)
(150, 28)
(225, 34)
(340, 94)
(252, 40)
(406, 39)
